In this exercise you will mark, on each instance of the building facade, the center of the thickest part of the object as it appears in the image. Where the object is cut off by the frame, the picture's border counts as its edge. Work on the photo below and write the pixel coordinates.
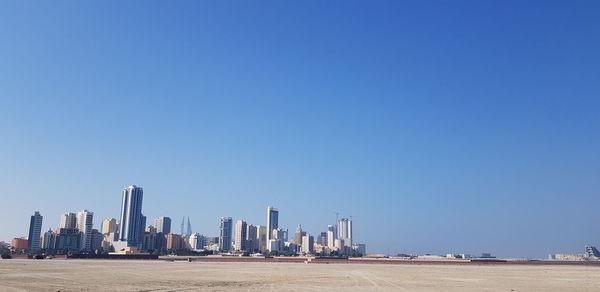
(132, 223)
(251, 239)
(173, 241)
(272, 221)
(240, 235)
(19, 243)
(308, 243)
(225, 234)
(261, 237)
(109, 226)
(344, 229)
(35, 230)
(85, 220)
(67, 239)
(49, 240)
(162, 225)
(68, 220)
(196, 241)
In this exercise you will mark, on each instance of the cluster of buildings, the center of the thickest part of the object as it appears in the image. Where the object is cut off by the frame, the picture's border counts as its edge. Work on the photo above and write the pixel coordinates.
(590, 253)
(337, 239)
(131, 234)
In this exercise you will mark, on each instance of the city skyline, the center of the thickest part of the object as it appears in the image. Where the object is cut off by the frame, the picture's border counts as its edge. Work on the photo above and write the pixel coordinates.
(76, 233)
(440, 127)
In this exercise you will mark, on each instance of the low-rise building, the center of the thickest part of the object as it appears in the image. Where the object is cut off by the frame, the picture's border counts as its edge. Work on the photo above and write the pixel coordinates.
(19, 243)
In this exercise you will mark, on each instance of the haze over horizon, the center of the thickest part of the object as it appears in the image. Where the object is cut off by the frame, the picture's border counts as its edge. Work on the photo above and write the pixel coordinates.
(462, 126)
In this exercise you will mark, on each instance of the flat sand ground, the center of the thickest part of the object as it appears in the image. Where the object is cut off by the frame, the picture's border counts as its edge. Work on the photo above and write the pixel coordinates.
(119, 275)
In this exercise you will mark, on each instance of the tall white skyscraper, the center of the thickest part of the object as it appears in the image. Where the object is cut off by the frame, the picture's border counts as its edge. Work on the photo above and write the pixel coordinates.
(344, 229)
(240, 235)
(85, 220)
(307, 244)
(68, 220)
(330, 239)
(131, 225)
(225, 234)
(35, 230)
(272, 221)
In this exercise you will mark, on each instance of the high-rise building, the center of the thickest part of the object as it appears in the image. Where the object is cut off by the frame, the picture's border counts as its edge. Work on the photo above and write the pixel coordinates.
(251, 239)
(307, 244)
(298, 235)
(322, 238)
(261, 237)
(344, 229)
(272, 221)
(132, 223)
(97, 239)
(162, 225)
(173, 241)
(109, 226)
(49, 240)
(274, 245)
(240, 235)
(196, 241)
(68, 220)
(225, 234)
(150, 238)
(279, 234)
(35, 230)
(330, 239)
(333, 228)
(84, 224)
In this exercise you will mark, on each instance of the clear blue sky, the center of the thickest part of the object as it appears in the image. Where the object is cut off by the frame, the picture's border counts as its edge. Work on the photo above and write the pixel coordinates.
(441, 126)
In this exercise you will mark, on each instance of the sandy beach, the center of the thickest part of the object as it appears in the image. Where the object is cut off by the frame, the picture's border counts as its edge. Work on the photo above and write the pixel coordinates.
(119, 275)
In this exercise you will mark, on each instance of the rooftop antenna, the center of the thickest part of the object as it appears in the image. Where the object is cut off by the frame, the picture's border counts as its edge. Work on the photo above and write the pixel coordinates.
(337, 216)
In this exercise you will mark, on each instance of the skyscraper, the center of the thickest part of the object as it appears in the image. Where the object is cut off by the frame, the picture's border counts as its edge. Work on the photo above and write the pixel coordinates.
(251, 239)
(84, 224)
(330, 239)
(68, 220)
(240, 235)
(298, 235)
(35, 230)
(345, 231)
(225, 234)
(49, 240)
(131, 225)
(308, 244)
(196, 241)
(333, 229)
(272, 221)
(261, 237)
(162, 224)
